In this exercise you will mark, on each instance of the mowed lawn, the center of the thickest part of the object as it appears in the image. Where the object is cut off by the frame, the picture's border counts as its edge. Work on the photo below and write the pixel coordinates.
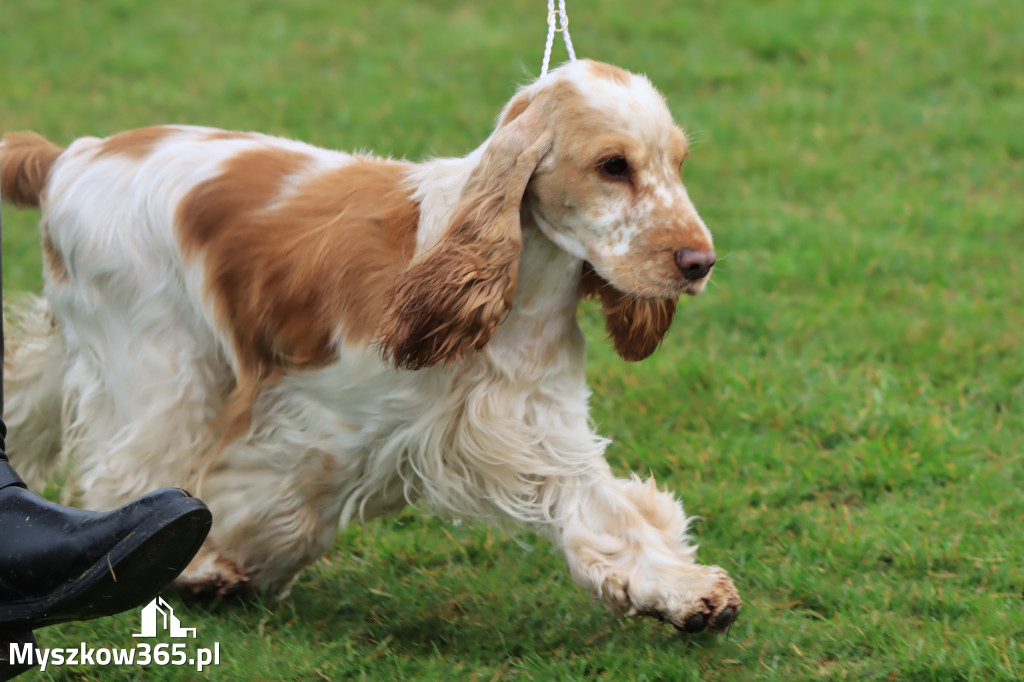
(843, 407)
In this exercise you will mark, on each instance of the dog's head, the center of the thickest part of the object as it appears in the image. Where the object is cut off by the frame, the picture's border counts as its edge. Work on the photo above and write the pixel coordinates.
(591, 154)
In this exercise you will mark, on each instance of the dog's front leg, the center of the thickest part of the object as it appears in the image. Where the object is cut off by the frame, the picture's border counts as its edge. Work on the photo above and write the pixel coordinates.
(625, 542)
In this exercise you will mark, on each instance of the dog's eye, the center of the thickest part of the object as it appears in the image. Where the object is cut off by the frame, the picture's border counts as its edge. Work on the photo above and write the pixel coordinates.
(616, 167)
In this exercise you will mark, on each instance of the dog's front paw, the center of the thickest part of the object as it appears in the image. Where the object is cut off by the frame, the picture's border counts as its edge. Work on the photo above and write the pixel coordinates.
(698, 598)
(211, 575)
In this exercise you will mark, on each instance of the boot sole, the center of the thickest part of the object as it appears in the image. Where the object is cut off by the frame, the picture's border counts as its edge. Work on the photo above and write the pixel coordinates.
(132, 573)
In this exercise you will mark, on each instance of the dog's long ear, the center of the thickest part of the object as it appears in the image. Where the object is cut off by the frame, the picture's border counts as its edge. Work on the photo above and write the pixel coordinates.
(452, 297)
(636, 325)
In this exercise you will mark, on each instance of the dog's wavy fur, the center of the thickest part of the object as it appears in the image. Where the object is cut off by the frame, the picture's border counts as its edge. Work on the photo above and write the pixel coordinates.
(306, 337)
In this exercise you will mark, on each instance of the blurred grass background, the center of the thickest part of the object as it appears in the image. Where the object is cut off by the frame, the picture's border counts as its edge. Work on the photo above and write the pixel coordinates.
(844, 407)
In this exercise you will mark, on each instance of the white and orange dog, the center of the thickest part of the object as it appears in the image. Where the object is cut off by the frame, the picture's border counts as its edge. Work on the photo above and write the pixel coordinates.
(303, 336)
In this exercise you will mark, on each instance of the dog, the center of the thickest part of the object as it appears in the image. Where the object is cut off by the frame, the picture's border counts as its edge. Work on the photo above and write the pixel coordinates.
(306, 337)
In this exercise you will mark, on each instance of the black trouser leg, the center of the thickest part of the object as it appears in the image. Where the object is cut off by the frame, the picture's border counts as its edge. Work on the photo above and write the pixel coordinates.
(18, 653)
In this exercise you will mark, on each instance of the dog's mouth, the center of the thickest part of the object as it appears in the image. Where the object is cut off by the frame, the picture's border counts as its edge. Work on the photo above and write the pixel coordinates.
(678, 288)
(694, 287)
(654, 289)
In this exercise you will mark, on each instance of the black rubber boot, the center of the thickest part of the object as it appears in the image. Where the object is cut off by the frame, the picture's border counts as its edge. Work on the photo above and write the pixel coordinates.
(59, 564)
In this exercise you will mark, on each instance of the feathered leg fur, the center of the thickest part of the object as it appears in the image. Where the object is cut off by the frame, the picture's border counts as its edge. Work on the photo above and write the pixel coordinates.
(625, 543)
(33, 387)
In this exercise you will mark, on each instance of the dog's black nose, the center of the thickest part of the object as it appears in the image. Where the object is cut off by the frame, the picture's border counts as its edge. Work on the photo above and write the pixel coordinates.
(695, 264)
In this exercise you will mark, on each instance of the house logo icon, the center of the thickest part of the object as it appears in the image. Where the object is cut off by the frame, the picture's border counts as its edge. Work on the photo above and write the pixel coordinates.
(160, 611)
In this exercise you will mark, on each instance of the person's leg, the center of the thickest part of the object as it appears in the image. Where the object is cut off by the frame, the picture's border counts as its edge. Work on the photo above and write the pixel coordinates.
(10, 637)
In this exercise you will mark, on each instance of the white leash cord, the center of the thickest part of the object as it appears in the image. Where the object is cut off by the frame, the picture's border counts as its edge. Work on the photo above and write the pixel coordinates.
(554, 19)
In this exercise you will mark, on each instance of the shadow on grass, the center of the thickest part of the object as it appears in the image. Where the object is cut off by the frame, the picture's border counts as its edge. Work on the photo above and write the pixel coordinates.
(511, 611)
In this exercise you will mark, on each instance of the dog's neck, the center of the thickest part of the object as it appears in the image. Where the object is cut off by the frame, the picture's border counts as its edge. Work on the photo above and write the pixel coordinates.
(549, 277)
(540, 340)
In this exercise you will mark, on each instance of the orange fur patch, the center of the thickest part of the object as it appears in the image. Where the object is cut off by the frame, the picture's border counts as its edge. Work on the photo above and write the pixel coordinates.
(286, 279)
(135, 144)
(609, 72)
(228, 135)
(53, 261)
(516, 107)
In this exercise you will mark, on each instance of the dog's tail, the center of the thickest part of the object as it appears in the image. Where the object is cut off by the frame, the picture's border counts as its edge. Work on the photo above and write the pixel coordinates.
(25, 162)
(33, 388)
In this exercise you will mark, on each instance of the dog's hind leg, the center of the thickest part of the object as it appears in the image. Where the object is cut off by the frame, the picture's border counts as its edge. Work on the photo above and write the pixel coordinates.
(34, 361)
(144, 380)
(276, 494)
(142, 422)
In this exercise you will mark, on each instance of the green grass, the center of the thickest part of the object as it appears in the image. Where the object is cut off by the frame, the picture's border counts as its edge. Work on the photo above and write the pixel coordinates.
(844, 408)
